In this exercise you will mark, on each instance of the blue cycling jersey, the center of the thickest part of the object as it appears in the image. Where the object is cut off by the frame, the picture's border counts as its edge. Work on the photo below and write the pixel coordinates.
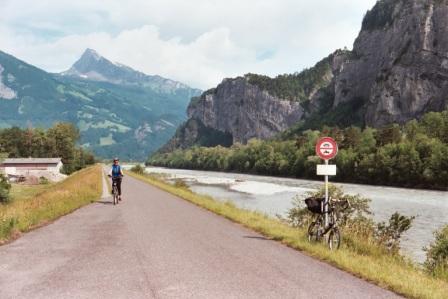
(116, 171)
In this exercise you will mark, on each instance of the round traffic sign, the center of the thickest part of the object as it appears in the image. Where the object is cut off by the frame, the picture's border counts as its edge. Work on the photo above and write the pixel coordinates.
(326, 148)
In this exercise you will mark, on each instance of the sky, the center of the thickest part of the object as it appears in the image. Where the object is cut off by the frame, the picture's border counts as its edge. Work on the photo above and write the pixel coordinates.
(197, 42)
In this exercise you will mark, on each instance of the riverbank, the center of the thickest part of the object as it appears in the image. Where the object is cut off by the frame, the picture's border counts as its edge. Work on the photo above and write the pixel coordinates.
(388, 271)
(32, 207)
(275, 196)
(408, 156)
(313, 179)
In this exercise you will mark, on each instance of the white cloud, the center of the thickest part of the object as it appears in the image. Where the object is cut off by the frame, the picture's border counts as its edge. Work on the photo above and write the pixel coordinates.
(197, 42)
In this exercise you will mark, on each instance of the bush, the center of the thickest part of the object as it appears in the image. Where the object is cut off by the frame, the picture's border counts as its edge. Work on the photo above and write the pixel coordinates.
(389, 235)
(354, 220)
(43, 180)
(299, 216)
(138, 169)
(4, 189)
(437, 254)
(178, 183)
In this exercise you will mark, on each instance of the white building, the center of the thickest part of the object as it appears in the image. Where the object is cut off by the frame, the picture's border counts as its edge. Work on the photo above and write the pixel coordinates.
(49, 168)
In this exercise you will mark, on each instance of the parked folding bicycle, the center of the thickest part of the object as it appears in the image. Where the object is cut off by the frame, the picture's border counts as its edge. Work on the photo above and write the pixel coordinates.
(317, 229)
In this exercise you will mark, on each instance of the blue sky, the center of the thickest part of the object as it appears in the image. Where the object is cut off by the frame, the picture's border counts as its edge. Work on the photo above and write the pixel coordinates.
(197, 42)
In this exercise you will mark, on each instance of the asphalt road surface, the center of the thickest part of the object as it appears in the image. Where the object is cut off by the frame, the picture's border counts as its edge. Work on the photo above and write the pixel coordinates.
(154, 245)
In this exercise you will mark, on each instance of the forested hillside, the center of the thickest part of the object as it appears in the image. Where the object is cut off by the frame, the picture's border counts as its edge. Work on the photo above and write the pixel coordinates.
(115, 107)
(300, 86)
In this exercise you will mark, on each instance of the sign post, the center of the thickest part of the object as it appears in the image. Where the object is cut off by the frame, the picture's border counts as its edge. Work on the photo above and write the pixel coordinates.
(326, 149)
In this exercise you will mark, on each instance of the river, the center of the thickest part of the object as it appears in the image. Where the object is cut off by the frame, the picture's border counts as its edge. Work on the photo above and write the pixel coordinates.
(274, 196)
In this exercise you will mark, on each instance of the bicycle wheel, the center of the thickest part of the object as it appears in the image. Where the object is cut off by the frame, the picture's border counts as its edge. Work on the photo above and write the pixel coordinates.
(313, 231)
(115, 195)
(334, 239)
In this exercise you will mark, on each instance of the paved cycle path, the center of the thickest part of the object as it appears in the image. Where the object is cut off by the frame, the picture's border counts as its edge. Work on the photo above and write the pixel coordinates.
(154, 245)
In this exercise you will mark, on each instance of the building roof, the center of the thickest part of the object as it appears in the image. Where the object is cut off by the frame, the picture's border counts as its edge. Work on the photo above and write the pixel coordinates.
(31, 161)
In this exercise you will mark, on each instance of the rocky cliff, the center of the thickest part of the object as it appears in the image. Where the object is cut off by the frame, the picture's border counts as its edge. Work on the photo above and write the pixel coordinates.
(244, 110)
(397, 71)
(398, 68)
(255, 106)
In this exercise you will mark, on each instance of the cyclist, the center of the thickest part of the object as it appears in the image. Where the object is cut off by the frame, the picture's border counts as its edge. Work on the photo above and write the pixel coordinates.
(117, 174)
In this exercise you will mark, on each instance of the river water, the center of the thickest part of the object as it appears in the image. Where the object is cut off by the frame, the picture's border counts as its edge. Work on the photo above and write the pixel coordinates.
(274, 196)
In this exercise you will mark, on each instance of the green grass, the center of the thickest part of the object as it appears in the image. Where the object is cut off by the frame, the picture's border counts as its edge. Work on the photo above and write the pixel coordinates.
(385, 270)
(33, 206)
(24, 192)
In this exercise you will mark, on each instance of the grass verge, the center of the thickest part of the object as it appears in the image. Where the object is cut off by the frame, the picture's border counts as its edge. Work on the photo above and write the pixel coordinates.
(33, 206)
(387, 271)
(108, 181)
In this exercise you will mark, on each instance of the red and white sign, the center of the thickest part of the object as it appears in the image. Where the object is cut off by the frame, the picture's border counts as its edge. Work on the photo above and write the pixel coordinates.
(326, 148)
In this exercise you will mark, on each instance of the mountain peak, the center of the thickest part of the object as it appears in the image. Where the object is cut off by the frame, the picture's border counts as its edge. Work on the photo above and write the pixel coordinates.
(93, 66)
(90, 53)
(89, 61)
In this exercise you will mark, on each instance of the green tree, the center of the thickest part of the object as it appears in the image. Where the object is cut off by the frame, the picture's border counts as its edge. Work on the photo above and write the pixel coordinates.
(62, 139)
(367, 142)
(412, 129)
(434, 124)
(352, 137)
(346, 162)
(389, 134)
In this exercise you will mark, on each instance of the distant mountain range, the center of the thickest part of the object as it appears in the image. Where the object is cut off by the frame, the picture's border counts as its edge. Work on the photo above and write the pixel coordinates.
(119, 111)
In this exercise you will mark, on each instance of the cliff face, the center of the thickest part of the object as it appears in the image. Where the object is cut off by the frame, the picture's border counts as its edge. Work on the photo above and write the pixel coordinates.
(244, 110)
(397, 71)
(399, 65)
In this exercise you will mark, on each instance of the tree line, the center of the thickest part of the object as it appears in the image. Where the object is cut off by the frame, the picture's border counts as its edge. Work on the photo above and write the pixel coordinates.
(59, 141)
(297, 86)
(412, 155)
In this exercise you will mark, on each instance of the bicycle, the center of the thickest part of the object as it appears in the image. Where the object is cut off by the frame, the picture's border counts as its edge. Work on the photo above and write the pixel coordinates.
(317, 229)
(115, 194)
(115, 191)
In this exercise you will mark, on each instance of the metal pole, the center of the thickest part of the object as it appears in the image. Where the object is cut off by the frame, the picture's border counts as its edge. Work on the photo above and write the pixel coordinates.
(326, 197)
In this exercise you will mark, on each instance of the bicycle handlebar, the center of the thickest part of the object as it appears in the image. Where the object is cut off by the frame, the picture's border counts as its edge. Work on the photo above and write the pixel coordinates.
(335, 200)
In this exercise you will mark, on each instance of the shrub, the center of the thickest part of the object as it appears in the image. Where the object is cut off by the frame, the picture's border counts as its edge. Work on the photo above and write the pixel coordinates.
(178, 183)
(43, 180)
(437, 254)
(138, 169)
(354, 220)
(389, 235)
(299, 215)
(4, 189)
(7, 227)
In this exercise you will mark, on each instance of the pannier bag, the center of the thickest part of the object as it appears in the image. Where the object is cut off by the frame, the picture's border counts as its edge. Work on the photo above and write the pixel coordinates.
(314, 204)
